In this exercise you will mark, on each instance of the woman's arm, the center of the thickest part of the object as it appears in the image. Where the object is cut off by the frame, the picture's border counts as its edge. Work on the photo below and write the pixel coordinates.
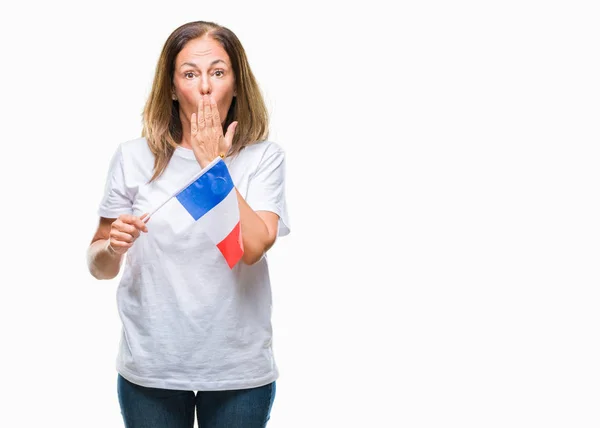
(112, 239)
(259, 230)
(103, 263)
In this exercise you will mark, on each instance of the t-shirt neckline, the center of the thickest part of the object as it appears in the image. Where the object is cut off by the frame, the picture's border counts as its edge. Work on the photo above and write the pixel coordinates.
(184, 153)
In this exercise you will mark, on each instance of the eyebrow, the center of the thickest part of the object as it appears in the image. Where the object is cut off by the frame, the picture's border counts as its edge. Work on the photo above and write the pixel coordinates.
(191, 64)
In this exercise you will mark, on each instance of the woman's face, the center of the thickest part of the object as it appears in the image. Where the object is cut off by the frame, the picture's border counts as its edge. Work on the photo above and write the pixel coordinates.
(203, 68)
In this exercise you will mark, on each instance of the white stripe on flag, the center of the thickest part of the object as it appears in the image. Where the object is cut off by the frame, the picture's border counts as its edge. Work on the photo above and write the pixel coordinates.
(217, 223)
(177, 216)
(220, 221)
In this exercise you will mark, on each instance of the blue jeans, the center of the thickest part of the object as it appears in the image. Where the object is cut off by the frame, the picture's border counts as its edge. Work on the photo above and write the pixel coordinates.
(143, 407)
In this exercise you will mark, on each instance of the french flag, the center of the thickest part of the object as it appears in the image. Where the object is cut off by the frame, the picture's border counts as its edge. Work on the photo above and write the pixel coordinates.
(210, 202)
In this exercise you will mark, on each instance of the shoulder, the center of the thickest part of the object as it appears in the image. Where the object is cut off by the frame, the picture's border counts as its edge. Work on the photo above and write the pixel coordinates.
(135, 148)
(135, 154)
(134, 159)
(259, 151)
(256, 158)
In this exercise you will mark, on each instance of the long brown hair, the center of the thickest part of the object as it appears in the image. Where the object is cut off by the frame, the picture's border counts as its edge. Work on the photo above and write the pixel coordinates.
(162, 125)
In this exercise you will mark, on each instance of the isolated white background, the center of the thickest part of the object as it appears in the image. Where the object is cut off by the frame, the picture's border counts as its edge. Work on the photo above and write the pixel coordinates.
(443, 170)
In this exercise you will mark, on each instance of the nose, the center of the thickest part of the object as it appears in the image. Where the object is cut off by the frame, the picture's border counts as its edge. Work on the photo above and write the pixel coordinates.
(205, 88)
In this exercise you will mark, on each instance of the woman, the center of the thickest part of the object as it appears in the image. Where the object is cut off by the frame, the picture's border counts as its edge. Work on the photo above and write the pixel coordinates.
(190, 322)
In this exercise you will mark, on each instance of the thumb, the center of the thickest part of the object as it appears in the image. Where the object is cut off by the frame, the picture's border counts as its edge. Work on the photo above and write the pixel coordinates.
(230, 133)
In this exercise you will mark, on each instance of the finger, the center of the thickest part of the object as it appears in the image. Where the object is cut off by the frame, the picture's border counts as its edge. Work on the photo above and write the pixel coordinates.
(194, 124)
(125, 218)
(207, 111)
(119, 247)
(145, 218)
(130, 223)
(215, 113)
(230, 133)
(120, 226)
(140, 225)
(201, 120)
(115, 235)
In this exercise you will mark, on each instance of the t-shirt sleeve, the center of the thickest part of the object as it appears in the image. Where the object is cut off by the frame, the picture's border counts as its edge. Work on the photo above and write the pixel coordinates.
(266, 189)
(117, 198)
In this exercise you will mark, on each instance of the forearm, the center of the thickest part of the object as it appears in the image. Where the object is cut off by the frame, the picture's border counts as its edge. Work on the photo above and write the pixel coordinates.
(255, 233)
(103, 262)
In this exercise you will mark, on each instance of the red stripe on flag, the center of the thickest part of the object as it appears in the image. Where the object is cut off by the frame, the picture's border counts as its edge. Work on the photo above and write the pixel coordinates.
(231, 247)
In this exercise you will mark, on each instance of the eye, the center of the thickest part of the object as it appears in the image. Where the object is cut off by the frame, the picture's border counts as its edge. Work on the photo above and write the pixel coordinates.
(219, 73)
(188, 75)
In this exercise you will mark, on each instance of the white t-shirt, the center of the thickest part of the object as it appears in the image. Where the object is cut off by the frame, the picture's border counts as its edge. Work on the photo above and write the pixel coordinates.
(189, 322)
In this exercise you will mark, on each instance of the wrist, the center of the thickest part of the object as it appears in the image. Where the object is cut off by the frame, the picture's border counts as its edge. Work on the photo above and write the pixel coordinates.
(205, 162)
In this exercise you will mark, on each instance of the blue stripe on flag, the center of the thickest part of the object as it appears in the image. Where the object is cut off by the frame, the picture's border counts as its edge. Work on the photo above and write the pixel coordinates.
(207, 191)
